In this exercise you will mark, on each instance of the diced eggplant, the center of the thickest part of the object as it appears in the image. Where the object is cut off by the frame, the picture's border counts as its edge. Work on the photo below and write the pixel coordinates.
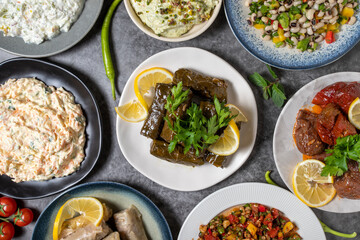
(216, 160)
(155, 120)
(204, 85)
(160, 149)
(129, 224)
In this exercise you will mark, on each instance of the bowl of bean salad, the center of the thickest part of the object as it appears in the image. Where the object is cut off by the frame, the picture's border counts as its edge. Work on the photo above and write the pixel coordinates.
(295, 34)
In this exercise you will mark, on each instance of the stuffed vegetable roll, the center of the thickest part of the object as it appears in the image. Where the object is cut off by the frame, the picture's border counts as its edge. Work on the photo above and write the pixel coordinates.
(204, 85)
(129, 224)
(160, 149)
(208, 109)
(155, 119)
(167, 134)
(216, 160)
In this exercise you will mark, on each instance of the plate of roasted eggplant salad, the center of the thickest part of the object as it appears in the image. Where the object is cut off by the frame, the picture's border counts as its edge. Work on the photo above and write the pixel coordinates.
(316, 146)
(186, 119)
(101, 210)
(295, 34)
(245, 211)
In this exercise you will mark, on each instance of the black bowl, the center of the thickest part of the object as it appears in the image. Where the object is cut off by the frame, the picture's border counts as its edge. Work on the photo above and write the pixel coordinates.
(53, 75)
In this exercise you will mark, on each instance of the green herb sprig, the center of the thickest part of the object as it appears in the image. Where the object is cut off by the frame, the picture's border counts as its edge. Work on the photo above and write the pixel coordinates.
(195, 130)
(273, 90)
(345, 148)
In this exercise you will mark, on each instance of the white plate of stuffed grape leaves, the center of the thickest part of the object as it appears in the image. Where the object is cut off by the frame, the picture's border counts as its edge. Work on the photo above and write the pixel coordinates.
(195, 128)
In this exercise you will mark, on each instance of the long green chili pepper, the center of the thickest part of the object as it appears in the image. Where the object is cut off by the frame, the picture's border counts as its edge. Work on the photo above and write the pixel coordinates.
(324, 226)
(105, 46)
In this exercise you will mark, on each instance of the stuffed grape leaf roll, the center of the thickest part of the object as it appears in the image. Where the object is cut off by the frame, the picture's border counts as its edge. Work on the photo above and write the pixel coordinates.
(155, 119)
(206, 86)
(160, 149)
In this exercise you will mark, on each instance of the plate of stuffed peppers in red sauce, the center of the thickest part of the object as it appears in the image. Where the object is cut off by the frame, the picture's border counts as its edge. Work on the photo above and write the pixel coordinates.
(317, 143)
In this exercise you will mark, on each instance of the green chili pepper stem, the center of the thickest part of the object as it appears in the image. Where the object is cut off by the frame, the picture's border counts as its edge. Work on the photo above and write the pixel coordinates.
(105, 46)
(344, 235)
(324, 226)
(269, 180)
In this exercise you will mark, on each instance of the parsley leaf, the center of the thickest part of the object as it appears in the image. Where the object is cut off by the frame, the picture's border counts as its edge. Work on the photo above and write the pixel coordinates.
(345, 148)
(195, 130)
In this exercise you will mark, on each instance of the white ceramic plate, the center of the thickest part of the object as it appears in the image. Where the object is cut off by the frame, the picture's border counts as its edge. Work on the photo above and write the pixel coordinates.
(287, 155)
(266, 194)
(136, 148)
(192, 33)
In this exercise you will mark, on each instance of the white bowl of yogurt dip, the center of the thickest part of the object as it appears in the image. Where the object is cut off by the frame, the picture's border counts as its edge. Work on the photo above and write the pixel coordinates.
(173, 20)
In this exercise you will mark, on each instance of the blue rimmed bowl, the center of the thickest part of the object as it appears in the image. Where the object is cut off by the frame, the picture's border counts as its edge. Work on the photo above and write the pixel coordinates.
(250, 38)
(117, 196)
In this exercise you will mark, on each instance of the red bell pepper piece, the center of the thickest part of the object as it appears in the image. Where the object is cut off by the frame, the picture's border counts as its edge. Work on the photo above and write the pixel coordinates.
(330, 37)
(273, 232)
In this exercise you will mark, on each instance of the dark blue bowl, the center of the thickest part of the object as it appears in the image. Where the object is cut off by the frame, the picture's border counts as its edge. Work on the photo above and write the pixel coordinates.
(250, 38)
(117, 196)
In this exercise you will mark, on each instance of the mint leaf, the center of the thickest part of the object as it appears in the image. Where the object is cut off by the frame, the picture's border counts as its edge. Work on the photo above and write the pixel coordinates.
(258, 80)
(273, 74)
(278, 96)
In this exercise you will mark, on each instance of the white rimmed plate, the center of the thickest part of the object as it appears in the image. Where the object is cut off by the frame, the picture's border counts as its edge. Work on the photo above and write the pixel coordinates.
(266, 194)
(195, 31)
(136, 148)
(287, 155)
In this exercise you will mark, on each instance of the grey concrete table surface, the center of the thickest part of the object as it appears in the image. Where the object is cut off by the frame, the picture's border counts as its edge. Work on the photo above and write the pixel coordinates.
(130, 48)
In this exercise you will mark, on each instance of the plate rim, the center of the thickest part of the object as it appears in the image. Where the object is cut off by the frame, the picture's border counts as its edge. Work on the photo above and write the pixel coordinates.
(100, 125)
(117, 185)
(254, 54)
(235, 187)
(282, 114)
(52, 53)
(251, 148)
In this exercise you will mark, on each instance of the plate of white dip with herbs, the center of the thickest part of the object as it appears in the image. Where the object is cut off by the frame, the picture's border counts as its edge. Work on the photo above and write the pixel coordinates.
(173, 20)
(40, 28)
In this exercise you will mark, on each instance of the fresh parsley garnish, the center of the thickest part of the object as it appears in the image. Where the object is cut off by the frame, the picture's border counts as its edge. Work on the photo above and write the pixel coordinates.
(345, 148)
(273, 90)
(195, 130)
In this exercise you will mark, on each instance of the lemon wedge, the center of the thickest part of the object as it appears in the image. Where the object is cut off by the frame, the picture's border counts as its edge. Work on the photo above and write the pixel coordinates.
(146, 81)
(309, 186)
(132, 111)
(236, 111)
(354, 113)
(228, 142)
(88, 207)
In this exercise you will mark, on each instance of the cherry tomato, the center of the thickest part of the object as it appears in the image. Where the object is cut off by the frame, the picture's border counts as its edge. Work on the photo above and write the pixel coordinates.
(23, 217)
(7, 206)
(7, 231)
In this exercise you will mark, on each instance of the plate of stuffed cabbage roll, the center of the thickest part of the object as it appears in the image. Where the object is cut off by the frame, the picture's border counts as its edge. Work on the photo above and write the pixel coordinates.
(125, 214)
(194, 128)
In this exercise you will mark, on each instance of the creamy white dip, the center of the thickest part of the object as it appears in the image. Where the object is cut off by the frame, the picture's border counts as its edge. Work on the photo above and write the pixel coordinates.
(38, 20)
(172, 18)
(42, 131)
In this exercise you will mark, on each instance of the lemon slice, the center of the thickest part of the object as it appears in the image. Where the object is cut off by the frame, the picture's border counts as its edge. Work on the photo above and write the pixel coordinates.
(146, 81)
(132, 111)
(88, 207)
(354, 113)
(309, 186)
(228, 142)
(236, 111)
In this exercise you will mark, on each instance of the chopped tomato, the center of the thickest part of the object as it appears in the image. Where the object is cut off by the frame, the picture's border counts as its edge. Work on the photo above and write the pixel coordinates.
(233, 219)
(275, 213)
(254, 208)
(273, 232)
(210, 237)
(268, 219)
(330, 37)
(262, 208)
